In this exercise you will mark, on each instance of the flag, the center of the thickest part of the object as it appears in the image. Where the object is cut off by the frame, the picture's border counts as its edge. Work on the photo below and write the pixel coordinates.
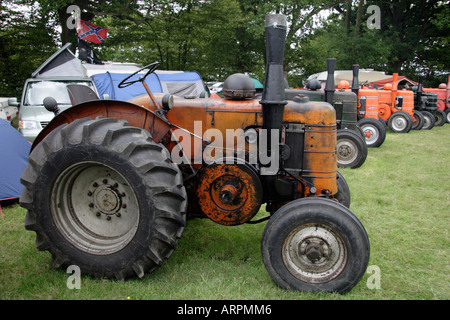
(89, 32)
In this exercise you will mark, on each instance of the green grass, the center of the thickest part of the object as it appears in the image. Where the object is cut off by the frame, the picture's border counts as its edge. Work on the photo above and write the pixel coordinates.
(401, 194)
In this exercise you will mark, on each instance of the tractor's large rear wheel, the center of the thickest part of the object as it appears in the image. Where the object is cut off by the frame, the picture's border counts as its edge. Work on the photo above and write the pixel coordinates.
(314, 245)
(103, 196)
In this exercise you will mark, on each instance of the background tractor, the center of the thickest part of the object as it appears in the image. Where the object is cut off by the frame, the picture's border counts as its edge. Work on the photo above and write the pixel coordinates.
(442, 111)
(351, 147)
(369, 120)
(426, 104)
(396, 107)
(109, 184)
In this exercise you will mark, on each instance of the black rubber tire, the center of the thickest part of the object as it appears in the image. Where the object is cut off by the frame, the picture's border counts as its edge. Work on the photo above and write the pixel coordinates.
(377, 131)
(404, 118)
(418, 120)
(430, 121)
(440, 118)
(69, 183)
(305, 218)
(343, 195)
(447, 115)
(351, 149)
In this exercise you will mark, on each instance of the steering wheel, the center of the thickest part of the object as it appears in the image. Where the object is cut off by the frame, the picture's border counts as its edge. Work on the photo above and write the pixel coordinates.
(151, 68)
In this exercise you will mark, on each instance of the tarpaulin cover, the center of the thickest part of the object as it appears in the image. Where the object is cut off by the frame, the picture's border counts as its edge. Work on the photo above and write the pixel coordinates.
(108, 83)
(14, 150)
(176, 83)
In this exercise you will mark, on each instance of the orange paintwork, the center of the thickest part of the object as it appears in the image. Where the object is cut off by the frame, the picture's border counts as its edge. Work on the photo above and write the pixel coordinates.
(372, 102)
(194, 118)
(387, 100)
(443, 95)
(229, 194)
(320, 164)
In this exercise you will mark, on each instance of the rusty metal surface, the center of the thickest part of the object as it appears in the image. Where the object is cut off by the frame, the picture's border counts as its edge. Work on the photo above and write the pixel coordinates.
(229, 194)
(135, 115)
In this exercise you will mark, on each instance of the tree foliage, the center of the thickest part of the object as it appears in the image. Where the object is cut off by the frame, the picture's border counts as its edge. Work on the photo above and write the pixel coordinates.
(221, 37)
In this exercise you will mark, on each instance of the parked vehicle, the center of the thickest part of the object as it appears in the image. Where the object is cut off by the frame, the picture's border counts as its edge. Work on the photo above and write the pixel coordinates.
(351, 149)
(396, 107)
(49, 80)
(8, 108)
(443, 102)
(109, 183)
(33, 116)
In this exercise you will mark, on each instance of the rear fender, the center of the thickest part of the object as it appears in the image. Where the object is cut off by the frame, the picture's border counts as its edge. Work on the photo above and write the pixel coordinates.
(136, 116)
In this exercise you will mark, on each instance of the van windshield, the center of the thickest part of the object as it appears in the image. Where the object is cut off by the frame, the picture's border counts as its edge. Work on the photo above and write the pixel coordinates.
(38, 91)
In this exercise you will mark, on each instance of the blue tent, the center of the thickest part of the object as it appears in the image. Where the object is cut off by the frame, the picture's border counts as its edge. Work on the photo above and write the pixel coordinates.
(14, 150)
(175, 83)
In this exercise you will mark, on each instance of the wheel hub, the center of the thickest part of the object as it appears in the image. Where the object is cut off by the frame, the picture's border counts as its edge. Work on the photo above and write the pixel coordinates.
(346, 151)
(96, 208)
(315, 250)
(229, 194)
(314, 253)
(399, 123)
(107, 199)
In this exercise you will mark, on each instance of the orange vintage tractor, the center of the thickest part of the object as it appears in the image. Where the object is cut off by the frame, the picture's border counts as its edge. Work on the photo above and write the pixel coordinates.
(109, 184)
(442, 114)
(396, 107)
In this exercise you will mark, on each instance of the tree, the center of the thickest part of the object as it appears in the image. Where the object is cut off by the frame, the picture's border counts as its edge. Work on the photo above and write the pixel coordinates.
(26, 41)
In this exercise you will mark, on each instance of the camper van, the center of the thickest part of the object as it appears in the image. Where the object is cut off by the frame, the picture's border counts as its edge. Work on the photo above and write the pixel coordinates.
(50, 80)
(33, 116)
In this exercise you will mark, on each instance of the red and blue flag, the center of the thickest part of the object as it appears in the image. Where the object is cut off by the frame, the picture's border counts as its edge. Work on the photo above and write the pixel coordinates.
(89, 32)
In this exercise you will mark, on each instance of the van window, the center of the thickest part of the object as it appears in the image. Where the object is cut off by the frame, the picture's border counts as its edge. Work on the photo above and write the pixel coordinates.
(38, 91)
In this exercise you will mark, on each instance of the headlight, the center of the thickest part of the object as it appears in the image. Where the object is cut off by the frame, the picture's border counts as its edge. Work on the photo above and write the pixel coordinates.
(29, 124)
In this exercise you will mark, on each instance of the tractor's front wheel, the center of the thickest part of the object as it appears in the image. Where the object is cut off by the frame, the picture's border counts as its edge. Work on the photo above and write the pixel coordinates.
(429, 122)
(315, 245)
(351, 149)
(374, 131)
(103, 196)
(400, 122)
(447, 115)
(440, 118)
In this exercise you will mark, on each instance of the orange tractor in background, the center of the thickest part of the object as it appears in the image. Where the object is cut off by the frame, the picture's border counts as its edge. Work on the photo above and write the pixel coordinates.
(373, 127)
(109, 184)
(443, 103)
(396, 107)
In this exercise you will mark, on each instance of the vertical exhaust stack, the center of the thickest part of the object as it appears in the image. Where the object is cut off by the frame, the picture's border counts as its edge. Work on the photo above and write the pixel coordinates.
(329, 87)
(394, 89)
(447, 101)
(273, 98)
(355, 83)
(419, 91)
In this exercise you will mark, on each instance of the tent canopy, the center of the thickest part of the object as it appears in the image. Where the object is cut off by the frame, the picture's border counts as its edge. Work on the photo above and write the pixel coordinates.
(365, 77)
(402, 81)
(15, 150)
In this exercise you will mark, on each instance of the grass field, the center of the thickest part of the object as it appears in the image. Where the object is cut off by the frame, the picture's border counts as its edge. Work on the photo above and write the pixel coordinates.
(401, 194)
